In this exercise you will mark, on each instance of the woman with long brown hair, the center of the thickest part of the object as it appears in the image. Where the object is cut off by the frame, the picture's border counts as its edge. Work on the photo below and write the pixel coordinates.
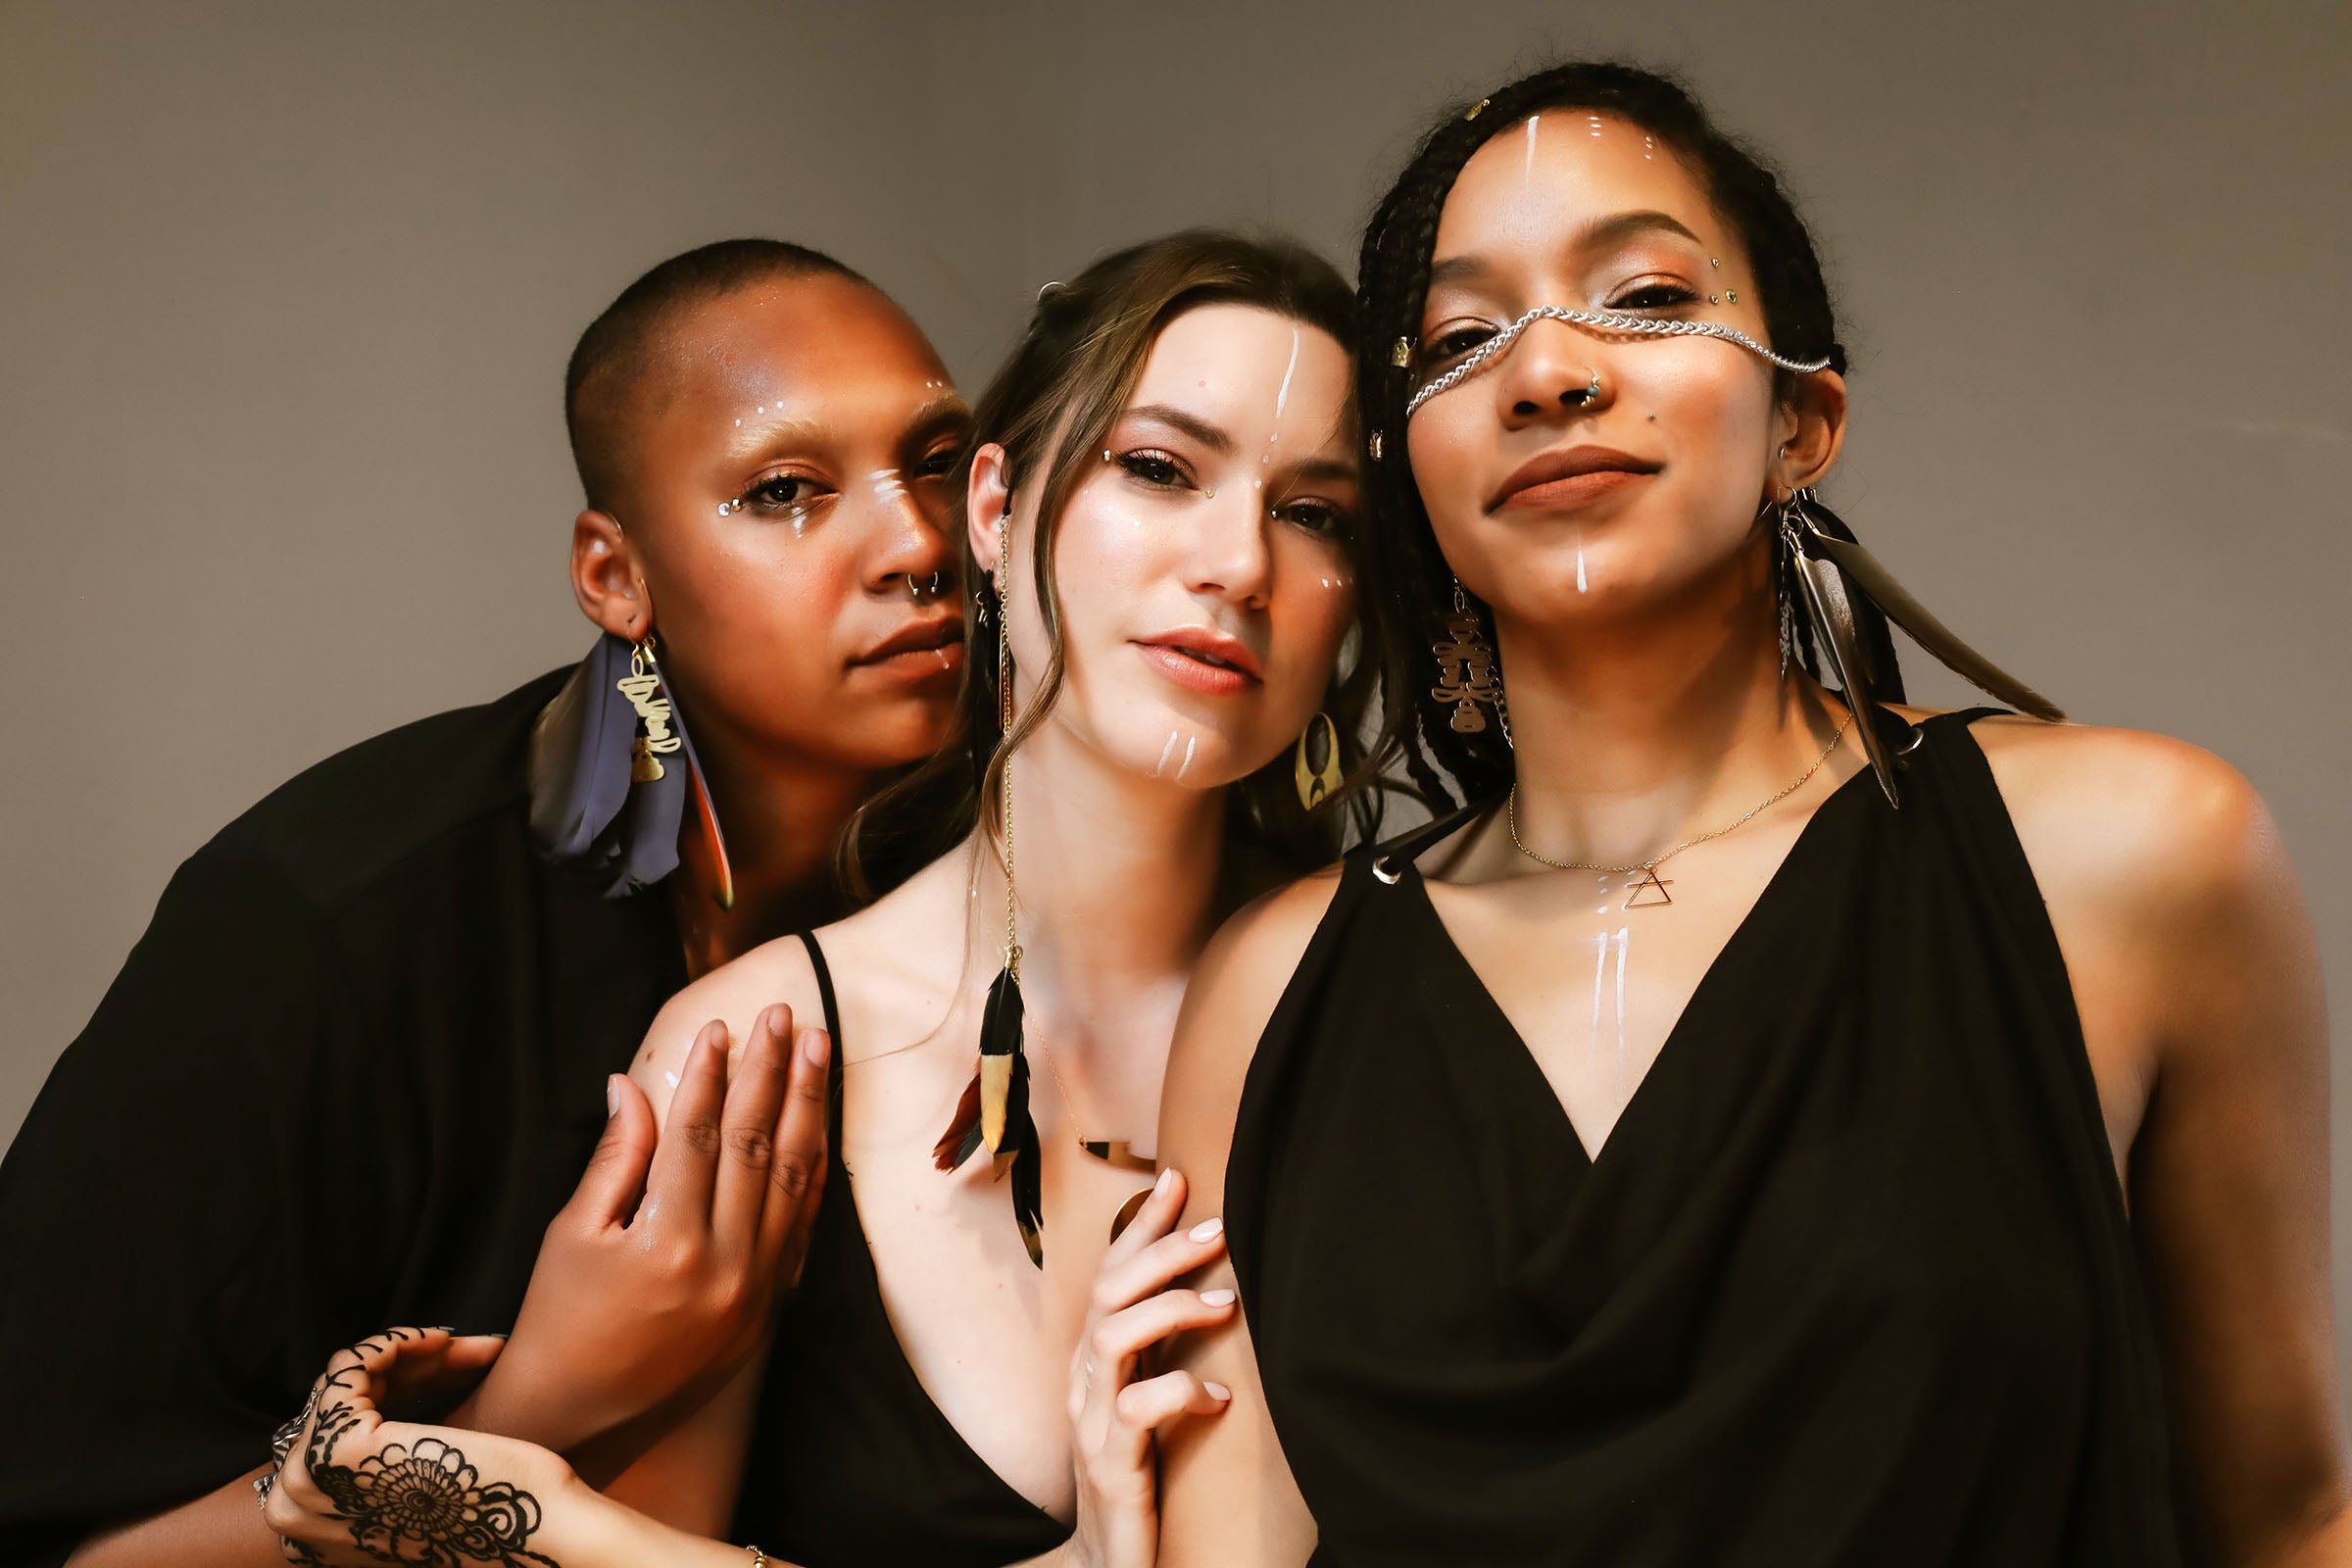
(1159, 527)
(1770, 1122)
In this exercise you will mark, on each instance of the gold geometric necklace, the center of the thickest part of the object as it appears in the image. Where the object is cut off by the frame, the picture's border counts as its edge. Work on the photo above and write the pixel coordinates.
(1647, 870)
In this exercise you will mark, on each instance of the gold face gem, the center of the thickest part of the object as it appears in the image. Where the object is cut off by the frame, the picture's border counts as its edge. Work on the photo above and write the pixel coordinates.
(1475, 107)
(1400, 353)
(1373, 446)
(1732, 294)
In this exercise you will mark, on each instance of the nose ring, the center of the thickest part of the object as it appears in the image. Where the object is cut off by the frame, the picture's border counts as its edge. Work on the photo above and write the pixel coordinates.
(1583, 394)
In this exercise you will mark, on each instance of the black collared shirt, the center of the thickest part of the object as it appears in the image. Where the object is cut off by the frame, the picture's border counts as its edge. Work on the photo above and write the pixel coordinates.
(344, 1081)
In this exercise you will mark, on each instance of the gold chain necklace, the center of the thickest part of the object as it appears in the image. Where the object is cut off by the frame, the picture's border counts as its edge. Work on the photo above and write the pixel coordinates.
(1648, 869)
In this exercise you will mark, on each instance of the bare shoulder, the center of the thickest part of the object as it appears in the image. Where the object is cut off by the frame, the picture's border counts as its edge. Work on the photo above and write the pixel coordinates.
(2141, 823)
(1240, 976)
(734, 994)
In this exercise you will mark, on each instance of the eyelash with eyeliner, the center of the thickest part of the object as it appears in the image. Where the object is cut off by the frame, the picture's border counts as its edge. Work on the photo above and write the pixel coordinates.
(1649, 297)
(1159, 469)
(761, 497)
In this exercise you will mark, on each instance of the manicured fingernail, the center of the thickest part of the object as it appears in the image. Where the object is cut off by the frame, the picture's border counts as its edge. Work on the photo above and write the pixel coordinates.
(1167, 1179)
(441, 1328)
(779, 1020)
(1216, 1297)
(612, 1094)
(1206, 1231)
(1218, 1391)
(815, 1047)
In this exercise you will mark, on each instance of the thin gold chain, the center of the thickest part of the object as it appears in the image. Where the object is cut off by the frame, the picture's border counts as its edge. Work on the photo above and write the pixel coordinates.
(1511, 812)
(1013, 943)
(1012, 936)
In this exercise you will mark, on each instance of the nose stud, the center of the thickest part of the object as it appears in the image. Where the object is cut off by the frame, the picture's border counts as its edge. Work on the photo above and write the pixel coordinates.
(1583, 394)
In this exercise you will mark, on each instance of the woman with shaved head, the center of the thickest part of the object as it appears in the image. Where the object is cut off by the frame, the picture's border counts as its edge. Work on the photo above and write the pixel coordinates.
(361, 1057)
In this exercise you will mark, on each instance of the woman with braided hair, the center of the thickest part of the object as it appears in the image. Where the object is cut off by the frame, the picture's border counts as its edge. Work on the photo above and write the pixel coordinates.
(1768, 1123)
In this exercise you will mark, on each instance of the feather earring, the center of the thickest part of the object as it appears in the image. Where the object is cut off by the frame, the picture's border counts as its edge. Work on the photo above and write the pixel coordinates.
(1830, 568)
(994, 1111)
(602, 798)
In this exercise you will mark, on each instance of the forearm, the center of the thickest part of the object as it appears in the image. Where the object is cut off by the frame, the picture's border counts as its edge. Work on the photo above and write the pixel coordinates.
(584, 1529)
(223, 1529)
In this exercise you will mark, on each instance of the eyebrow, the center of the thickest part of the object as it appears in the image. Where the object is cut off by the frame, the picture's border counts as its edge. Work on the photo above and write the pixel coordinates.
(1328, 470)
(1599, 231)
(1192, 425)
(946, 410)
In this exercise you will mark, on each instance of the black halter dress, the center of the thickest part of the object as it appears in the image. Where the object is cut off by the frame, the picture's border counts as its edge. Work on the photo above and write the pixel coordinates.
(1850, 1283)
(851, 1465)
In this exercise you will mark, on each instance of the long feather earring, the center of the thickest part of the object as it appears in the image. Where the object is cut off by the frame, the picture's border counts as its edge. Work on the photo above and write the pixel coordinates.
(1830, 568)
(602, 799)
(994, 1112)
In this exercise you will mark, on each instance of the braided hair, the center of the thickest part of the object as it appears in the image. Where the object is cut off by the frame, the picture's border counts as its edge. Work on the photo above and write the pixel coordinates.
(1407, 586)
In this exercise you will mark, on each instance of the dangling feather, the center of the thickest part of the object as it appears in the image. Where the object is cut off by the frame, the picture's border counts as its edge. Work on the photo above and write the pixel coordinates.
(587, 808)
(1020, 1151)
(1001, 1061)
(992, 1113)
(961, 1140)
(705, 817)
(1832, 618)
(1873, 578)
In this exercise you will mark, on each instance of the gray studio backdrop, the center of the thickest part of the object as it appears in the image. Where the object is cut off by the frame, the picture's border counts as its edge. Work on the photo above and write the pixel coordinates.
(286, 290)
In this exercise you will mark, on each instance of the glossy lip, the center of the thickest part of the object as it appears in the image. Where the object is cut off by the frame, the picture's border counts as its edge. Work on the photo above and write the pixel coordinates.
(1602, 468)
(927, 635)
(1216, 644)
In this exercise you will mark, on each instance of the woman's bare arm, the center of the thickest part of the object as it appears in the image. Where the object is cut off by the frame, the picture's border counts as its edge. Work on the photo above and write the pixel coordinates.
(1227, 1496)
(2192, 957)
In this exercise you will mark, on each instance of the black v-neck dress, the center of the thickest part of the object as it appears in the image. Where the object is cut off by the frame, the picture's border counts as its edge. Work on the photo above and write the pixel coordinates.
(851, 1465)
(1849, 1282)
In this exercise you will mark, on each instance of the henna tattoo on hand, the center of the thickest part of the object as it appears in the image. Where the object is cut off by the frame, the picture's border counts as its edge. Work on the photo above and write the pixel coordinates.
(413, 1503)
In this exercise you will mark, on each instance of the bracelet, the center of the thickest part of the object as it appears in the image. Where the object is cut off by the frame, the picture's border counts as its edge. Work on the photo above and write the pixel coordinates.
(759, 1557)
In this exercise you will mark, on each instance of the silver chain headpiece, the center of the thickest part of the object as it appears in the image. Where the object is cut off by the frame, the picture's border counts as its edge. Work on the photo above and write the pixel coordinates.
(1496, 346)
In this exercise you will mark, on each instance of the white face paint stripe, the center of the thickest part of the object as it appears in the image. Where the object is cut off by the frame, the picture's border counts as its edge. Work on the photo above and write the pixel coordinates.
(1283, 395)
(888, 485)
(1165, 752)
(1189, 742)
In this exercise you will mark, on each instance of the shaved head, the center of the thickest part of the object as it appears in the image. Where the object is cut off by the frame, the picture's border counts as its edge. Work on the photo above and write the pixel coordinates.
(621, 362)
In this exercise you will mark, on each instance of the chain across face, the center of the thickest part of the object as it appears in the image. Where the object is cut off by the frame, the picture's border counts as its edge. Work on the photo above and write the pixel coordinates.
(1600, 323)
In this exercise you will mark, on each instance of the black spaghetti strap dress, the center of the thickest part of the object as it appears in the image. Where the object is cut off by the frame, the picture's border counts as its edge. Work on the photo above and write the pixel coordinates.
(851, 1465)
(1850, 1283)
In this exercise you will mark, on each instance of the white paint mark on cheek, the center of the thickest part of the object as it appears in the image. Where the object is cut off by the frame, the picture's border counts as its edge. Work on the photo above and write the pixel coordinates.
(1581, 586)
(1165, 752)
(890, 487)
(1189, 742)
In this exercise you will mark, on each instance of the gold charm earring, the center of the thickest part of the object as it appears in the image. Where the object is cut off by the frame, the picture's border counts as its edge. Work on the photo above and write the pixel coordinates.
(1466, 675)
(1315, 765)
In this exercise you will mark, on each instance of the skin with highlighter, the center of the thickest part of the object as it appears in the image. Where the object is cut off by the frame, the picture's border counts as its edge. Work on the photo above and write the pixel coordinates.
(1202, 567)
(1600, 493)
